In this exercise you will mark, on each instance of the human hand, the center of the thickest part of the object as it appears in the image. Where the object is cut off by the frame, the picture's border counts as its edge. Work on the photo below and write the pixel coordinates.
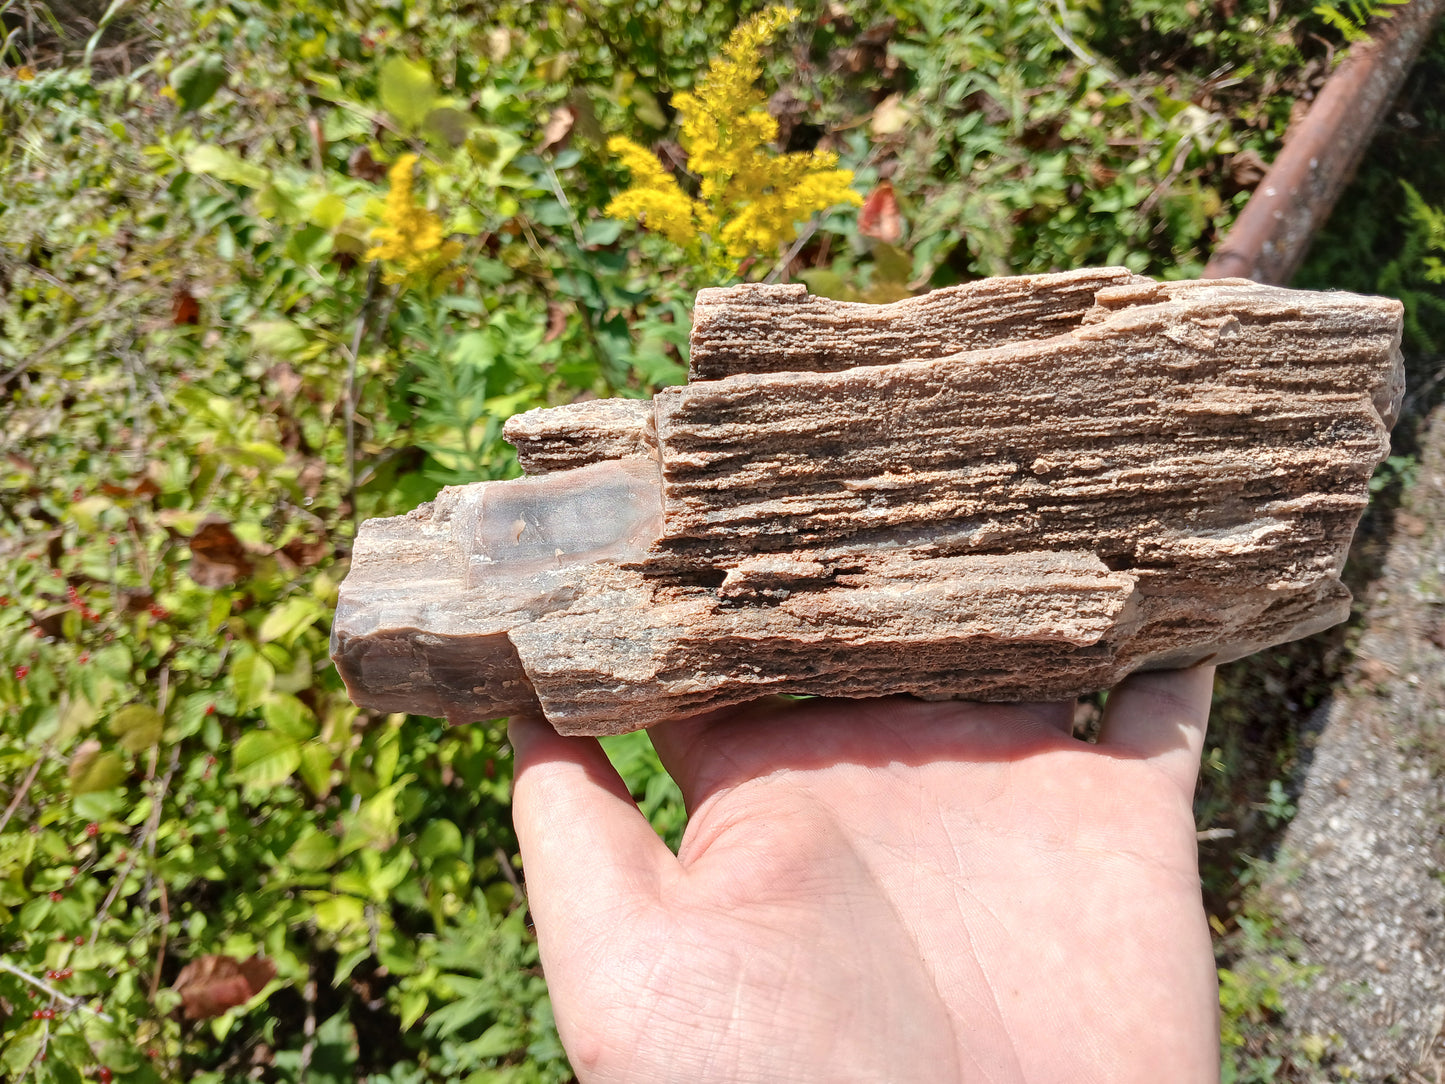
(882, 890)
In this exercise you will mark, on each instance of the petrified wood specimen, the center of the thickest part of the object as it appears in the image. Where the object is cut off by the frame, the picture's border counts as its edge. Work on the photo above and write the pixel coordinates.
(1023, 488)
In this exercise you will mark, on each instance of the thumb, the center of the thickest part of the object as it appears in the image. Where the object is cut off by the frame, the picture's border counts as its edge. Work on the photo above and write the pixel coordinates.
(586, 847)
(1161, 716)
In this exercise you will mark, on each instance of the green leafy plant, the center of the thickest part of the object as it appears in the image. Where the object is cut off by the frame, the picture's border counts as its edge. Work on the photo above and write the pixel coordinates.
(1351, 18)
(208, 380)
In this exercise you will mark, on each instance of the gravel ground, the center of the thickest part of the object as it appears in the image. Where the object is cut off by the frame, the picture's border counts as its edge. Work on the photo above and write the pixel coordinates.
(1358, 879)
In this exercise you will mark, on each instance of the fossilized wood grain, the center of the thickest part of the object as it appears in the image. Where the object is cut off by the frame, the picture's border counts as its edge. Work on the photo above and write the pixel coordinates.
(1175, 477)
(558, 438)
(772, 329)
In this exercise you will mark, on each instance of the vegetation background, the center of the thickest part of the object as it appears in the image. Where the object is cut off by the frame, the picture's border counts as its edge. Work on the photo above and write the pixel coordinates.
(213, 366)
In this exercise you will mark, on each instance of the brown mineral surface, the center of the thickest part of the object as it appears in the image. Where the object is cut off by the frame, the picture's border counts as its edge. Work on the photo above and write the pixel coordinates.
(1022, 488)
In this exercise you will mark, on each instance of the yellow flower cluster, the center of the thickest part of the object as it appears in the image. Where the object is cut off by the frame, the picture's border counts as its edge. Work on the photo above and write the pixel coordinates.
(411, 236)
(749, 198)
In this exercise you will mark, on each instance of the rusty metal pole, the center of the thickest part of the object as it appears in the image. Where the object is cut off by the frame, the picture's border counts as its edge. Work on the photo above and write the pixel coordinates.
(1270, 237)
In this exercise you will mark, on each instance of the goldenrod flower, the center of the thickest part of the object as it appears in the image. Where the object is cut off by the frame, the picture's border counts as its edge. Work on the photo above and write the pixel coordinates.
(411, 237)
(749, 198)
(655, 195)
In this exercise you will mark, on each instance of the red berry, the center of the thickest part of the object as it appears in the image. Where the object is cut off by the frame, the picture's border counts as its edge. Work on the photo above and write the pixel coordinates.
(210, 709)
(92, 829)
(103, 1075)
(21, 672)
(56, 897)
(4, 601)
(79, 940)
(36, 1014)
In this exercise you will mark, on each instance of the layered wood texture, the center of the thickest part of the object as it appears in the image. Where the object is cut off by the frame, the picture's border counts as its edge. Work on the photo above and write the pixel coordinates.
(1022, 488)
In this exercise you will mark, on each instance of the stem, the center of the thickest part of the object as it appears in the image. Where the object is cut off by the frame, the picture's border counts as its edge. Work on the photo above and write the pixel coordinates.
(71, 1004)
(25, 786)
(358, 337)
(308, 1029)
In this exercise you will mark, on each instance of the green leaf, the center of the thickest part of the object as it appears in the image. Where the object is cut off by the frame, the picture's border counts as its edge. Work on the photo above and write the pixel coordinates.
(289, 716)
(384, 759)
(251, 678)
(407, 91)
(497, 1041)
(224, 166)
(336, 913)
(493, 149)
(98, 805)
(441, 837)
(22, 1048)
(329, 211)
(376, 822)
(79, 715)
(602, 231)
(280, 337)
(114, 660)
(264, 758)
(293, 615)
(448, 126)
(92, 770)
(412, 1007)
(316, 761)
(137, 726)
(196, 80)
(313, 851)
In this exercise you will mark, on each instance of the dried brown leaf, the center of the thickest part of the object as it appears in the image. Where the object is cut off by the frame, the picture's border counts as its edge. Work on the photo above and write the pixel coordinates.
(210, 985)
(556, 321)
(185, 309)
(217, 557)
(363, 166)
(559, 128)
(879, 217)
(304, 552)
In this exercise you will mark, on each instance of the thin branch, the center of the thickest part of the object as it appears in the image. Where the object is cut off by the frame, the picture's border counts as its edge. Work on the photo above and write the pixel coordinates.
(61, 339)
(1068, 42)
(565, 202)
(1176, 167)
(25, 786)
(504, 860)
(785, 261)
(147, 841)
(161, 949)
(308, 1027)
(71, 1004)
(357, 339)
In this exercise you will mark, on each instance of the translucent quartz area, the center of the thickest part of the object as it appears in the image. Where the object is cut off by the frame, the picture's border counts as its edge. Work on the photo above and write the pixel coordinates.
(609, 511)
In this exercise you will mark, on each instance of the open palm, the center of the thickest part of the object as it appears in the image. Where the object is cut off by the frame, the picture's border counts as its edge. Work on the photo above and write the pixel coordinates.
(884, 890)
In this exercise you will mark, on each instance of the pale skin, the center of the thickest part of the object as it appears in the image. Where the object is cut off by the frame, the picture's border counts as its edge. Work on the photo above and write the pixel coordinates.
(884, 890)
